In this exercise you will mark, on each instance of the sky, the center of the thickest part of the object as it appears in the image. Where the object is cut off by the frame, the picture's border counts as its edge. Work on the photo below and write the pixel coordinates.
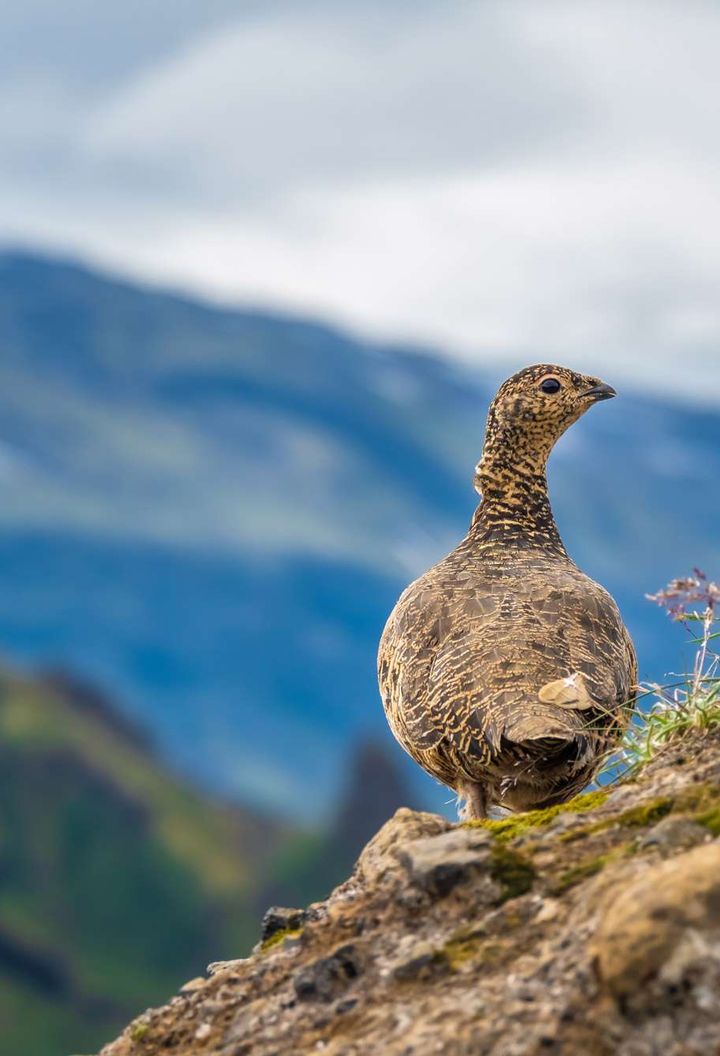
(515, 180)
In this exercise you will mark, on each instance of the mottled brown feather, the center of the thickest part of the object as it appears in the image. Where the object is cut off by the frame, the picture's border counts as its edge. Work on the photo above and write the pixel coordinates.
(505, 672)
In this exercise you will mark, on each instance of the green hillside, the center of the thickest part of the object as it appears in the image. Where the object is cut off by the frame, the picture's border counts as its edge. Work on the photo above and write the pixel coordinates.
(118, 882)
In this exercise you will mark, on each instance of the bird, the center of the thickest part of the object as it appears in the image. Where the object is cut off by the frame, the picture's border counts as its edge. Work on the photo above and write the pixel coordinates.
(505, 671)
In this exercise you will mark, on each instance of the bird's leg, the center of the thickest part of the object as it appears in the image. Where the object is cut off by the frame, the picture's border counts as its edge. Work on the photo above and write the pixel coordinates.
(475, 805)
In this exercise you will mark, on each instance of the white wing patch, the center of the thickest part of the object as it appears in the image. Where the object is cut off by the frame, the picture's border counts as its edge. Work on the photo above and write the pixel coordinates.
(569, 692)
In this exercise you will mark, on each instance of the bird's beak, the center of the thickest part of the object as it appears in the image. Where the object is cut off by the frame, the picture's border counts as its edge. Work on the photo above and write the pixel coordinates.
(601, 392)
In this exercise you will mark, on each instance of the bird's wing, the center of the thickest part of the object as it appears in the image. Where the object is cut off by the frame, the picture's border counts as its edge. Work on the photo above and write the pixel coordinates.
(496, 669)
(433, 665)
(407, 651)
(603, 660)
(631, 662)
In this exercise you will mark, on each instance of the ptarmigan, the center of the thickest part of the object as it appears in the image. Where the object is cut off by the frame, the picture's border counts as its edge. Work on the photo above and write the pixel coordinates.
(505, 671)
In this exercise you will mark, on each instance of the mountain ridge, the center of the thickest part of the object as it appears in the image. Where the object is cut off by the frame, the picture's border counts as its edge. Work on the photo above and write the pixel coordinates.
(210, 513)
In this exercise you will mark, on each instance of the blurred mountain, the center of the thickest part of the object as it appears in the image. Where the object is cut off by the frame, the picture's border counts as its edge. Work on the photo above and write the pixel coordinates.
(309, 864)
(117, 881)
(374, 789)
(212, 511)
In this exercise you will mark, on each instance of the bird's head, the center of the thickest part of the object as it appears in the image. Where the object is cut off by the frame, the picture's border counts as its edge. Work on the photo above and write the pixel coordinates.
(532, 410)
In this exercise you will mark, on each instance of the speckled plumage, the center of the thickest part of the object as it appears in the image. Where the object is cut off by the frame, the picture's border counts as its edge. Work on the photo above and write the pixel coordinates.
(504, 670)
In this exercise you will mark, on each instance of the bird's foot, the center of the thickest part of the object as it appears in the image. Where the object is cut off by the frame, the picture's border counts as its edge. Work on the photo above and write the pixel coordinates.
(472, 801)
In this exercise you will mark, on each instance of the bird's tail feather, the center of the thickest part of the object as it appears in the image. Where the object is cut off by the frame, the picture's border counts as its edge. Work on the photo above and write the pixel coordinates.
(530, 728)
(545, 740)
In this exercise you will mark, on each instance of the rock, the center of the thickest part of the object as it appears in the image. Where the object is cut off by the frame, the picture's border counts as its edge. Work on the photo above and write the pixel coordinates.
(592, 933)
(662, 929)
(347, 1004)
(674, 833)
(193, 984)
(415, 960)
(404, 827)
(549, 910)
(279, 918)
(226, 966)
(438, 863)
(328, 977)
(566, 822)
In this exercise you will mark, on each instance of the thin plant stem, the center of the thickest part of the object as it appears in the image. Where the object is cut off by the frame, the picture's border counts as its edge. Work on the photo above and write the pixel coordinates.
(692, 700)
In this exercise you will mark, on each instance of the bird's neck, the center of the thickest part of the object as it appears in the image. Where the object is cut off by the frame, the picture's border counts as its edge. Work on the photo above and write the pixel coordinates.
(515, 509)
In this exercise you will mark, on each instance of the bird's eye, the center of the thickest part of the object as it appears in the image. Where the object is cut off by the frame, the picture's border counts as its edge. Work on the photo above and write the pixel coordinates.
(550, 385)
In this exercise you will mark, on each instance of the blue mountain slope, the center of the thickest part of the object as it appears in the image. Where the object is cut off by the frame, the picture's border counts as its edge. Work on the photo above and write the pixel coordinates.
(211, 512)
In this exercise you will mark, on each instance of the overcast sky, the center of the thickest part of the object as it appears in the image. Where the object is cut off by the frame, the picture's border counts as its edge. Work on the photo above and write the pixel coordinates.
(528, 180)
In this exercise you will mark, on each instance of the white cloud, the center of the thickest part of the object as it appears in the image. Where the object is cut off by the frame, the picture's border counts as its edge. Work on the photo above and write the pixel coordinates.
(522, 178)
(313, 97)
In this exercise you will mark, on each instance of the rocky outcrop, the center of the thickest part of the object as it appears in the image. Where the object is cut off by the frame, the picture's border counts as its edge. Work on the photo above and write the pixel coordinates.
(589, 928)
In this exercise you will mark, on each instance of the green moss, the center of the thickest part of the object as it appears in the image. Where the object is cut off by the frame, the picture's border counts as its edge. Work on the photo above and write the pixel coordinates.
(586, 802)
(514, 873)
(510, 828)
(646, 813)
(471, 946)
(280, 936)
(710, 819)
(701, 803)
(457, 951)
(138, 1031)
